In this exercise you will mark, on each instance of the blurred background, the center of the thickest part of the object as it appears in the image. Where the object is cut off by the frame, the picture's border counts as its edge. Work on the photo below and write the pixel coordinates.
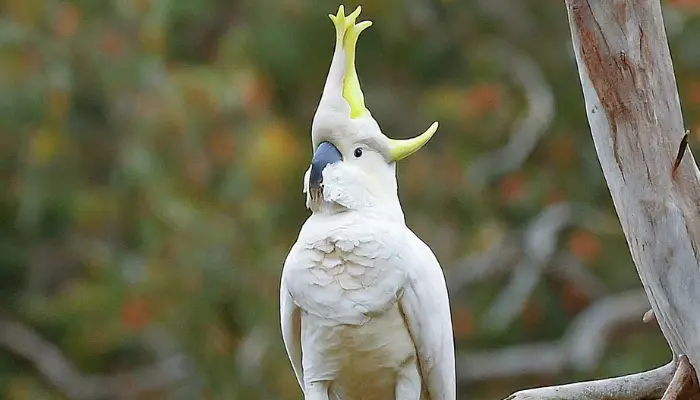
(152, 154)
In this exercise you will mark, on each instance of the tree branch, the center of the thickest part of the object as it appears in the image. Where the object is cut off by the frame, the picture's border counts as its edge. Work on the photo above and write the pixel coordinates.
(540, 245)
(529, 128)
(580, 348)
(635, 118)
(57, 369)
(684, 384)
(644, 385)
(528, 254)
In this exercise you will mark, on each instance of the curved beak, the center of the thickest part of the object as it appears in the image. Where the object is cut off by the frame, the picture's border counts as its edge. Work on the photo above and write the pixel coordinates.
(325, 154)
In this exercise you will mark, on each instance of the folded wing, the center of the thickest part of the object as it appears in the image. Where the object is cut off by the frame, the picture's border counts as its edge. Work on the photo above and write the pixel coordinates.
(426, 307)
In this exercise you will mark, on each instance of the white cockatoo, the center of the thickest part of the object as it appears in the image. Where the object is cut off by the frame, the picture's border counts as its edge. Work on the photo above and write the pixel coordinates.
(364, 307)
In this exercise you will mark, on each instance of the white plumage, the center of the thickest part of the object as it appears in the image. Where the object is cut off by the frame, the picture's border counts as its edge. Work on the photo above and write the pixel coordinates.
(364, 307)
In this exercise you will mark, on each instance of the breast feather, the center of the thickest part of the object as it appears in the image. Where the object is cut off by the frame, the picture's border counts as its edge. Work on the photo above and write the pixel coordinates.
(346, 279)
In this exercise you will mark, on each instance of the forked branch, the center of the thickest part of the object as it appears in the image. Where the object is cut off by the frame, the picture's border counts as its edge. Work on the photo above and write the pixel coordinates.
(634, 114)
(684, 384)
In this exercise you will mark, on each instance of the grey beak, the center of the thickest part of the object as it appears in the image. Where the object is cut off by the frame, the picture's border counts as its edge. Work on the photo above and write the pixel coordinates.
(325, 154)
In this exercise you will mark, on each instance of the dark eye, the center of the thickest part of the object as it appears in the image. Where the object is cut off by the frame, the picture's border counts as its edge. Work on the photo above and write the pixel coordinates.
(358, 152)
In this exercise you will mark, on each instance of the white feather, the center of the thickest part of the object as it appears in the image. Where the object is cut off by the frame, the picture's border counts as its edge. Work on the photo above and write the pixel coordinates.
(373, 302)
(363, 303)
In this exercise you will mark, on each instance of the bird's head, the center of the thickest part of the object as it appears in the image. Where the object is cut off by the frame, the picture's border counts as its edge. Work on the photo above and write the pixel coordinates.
(354, 163)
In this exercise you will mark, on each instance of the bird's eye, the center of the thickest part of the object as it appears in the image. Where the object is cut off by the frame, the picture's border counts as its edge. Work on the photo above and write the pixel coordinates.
(358, 152)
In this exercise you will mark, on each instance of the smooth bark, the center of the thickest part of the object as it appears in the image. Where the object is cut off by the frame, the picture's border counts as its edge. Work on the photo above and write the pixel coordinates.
(635, 118)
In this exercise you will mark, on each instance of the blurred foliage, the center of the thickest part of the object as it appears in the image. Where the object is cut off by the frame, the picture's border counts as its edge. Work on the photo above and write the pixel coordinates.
(152, 156)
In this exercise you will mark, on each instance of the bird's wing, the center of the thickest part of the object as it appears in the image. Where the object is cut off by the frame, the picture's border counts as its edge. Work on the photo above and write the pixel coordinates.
(426, 307)
(290, 319)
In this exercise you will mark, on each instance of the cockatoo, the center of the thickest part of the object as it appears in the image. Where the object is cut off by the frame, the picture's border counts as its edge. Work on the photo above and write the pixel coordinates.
(364, 307)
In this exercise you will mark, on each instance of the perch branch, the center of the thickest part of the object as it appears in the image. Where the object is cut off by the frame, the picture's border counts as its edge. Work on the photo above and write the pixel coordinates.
(673, 381)
(644, 385)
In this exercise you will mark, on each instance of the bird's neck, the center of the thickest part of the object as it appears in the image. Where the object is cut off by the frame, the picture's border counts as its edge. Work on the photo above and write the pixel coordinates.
(387, 206)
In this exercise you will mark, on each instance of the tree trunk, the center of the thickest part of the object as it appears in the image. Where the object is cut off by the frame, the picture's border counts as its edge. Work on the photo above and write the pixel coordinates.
(635, 118)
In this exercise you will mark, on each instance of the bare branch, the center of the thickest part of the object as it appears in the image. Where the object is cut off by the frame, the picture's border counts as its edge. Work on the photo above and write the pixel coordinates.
(540, 241)
(529, 129)
(588, 334)
(581, 347)
(634, 113)
(643, 385)
(534, 242)
(684, 384)
(569, 268)
(57, 369)
(498, 260)
(540, 244)
(528, 261)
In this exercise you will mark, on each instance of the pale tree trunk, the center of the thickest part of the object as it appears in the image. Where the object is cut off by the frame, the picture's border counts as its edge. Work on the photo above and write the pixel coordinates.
(635, 118)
